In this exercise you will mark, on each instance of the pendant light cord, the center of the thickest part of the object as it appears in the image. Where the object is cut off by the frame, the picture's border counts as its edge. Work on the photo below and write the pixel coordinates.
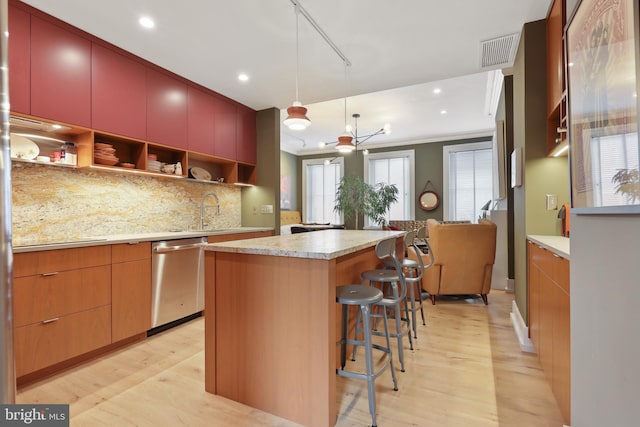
(297, 50)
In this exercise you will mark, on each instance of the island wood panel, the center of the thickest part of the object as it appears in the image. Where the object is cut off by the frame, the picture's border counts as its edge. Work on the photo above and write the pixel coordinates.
(272, 343)
(275, 335)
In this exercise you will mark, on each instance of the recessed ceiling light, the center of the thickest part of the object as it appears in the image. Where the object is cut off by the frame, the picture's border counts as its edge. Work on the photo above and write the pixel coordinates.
(437, 90)
(146, 22)
(443, 111)
(570, 64)
(243, 77)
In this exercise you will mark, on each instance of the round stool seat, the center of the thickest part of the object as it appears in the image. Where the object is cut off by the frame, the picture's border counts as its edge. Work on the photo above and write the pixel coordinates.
(380, 275)
(406, 263)
(358, 295)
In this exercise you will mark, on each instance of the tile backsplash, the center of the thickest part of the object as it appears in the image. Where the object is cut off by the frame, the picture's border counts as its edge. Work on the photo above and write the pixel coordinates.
(52, 204)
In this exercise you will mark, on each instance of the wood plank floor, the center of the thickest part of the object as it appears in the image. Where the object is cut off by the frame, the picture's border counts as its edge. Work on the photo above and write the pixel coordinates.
(466, 370)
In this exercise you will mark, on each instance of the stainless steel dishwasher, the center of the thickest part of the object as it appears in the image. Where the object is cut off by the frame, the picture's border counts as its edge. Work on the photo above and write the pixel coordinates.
(177, 279)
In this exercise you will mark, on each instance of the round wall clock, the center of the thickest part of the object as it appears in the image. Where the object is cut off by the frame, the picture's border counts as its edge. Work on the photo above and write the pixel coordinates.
(428, 200)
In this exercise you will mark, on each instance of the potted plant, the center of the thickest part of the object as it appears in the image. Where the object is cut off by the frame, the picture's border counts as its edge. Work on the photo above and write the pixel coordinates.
(355, 197)
(628, 183)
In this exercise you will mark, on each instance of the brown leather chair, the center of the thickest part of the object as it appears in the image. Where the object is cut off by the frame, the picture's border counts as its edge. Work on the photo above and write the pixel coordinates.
(463, 259)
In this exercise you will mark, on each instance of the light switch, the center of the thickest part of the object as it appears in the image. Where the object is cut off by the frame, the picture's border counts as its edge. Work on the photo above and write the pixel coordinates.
(552, 202)
(266, 209)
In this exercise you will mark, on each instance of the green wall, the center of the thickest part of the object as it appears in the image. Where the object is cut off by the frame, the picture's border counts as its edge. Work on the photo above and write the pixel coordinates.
(267, 190)
(541, 174)
(428, 167)
(289, 180)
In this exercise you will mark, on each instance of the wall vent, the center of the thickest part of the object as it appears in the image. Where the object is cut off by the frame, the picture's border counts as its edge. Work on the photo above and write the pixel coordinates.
(499, 52)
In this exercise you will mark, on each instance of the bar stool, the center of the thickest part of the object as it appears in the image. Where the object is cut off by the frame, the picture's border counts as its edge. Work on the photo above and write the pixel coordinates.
(414, 270)
(395, 279)
(364, 297)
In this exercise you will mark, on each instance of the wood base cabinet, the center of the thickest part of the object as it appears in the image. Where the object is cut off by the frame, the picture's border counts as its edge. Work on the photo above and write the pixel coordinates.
(549, 320)
(62, 305)
(131, 290)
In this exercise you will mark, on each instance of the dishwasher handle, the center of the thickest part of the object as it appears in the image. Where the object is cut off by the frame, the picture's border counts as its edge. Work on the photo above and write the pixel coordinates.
(176, 248)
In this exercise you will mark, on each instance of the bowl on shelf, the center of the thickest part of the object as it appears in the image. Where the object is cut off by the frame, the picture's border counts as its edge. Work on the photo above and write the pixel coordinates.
(106, 160)
(128, 165)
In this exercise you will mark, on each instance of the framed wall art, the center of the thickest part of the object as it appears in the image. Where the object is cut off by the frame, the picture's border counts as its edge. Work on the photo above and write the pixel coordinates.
(601, 44)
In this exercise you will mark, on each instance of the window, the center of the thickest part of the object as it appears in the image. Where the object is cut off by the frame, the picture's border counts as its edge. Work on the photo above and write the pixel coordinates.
(611, 154)
(394, 167)
(468, 180)
(320, 179)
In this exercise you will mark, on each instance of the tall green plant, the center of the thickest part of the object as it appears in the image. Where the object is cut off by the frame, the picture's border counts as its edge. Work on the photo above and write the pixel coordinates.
(355, 197)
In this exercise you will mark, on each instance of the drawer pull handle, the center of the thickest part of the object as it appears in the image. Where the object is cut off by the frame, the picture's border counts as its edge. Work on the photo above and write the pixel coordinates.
(44, 322)
(557, 256)
(53, 273)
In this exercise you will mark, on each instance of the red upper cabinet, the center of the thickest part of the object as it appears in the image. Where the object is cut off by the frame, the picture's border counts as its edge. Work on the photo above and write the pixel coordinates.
(19, 60)
(60, 74)
(166, 110)
(200, 121)
(225, 130)
(118, 94)
(246, 135)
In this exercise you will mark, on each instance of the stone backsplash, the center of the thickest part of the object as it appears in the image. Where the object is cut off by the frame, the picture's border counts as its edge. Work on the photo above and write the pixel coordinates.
(52, 204)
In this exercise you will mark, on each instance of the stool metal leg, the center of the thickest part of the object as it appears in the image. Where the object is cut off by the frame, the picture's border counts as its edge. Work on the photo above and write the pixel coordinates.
(345, 325)
(368, 351)
(386, 334)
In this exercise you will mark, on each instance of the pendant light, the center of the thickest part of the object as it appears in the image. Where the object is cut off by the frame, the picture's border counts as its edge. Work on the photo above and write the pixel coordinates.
(344, 141)
(297, 114)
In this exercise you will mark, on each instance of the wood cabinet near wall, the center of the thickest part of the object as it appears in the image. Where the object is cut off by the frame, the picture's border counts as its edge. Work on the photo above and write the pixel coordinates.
(20, 60)
(118, 93)
(130, 290)
(62, 305)
(549, 320)
(60, 74)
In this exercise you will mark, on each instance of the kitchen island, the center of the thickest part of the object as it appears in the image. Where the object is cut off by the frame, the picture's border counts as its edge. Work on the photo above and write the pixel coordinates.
(271, 320)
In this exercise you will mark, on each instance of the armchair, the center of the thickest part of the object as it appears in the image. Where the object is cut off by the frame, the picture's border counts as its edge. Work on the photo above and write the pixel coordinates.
(463, 259)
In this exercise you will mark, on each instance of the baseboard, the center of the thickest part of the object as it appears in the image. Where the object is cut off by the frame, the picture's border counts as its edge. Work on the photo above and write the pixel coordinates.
(522, 331)
(510, 287)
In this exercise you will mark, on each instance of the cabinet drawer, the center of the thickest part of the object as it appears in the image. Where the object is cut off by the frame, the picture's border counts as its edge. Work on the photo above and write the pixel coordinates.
(130, 252)
(32, 263)
(42, 297)
(44, 344)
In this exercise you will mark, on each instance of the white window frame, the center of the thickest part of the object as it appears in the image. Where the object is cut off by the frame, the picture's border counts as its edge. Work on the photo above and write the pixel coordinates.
(446, 150)
(411, 155)
(305, 163)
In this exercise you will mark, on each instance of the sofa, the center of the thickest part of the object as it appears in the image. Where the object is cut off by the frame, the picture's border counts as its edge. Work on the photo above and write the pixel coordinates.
(463, 259)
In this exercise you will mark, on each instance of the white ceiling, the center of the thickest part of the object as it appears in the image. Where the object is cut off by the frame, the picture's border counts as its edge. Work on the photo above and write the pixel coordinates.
(400, 51)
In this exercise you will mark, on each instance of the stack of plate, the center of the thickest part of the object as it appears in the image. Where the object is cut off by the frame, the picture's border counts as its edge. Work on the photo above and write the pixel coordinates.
(105, 154)
(154, 165)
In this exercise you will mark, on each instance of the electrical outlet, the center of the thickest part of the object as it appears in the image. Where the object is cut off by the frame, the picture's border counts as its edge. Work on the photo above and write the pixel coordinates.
(552, 202)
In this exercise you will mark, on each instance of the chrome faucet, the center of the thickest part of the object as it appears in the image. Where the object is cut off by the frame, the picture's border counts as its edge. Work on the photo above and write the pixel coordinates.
(202, 223)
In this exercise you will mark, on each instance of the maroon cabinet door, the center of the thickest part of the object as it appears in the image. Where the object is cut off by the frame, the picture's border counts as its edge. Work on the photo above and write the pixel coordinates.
(225, 129)
(19, 60)
(200, 121)
(166, 110)
(246, 135)
(60, 74)
(118, 94)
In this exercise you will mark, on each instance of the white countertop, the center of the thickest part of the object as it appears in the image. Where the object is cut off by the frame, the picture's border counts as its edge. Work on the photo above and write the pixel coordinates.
(558, 244)
(326, 244)
(36, 244)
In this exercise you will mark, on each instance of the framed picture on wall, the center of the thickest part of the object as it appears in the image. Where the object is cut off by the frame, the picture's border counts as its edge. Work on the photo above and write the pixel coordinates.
(602, 67)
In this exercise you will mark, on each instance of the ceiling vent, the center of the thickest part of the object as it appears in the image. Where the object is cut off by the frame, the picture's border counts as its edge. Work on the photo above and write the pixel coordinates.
(499, 52)
(25, 123)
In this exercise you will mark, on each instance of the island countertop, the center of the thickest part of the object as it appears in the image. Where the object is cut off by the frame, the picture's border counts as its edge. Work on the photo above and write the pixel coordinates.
(325, 244)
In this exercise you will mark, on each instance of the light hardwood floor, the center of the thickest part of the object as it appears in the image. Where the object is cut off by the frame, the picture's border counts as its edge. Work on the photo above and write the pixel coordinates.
(466, 370)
